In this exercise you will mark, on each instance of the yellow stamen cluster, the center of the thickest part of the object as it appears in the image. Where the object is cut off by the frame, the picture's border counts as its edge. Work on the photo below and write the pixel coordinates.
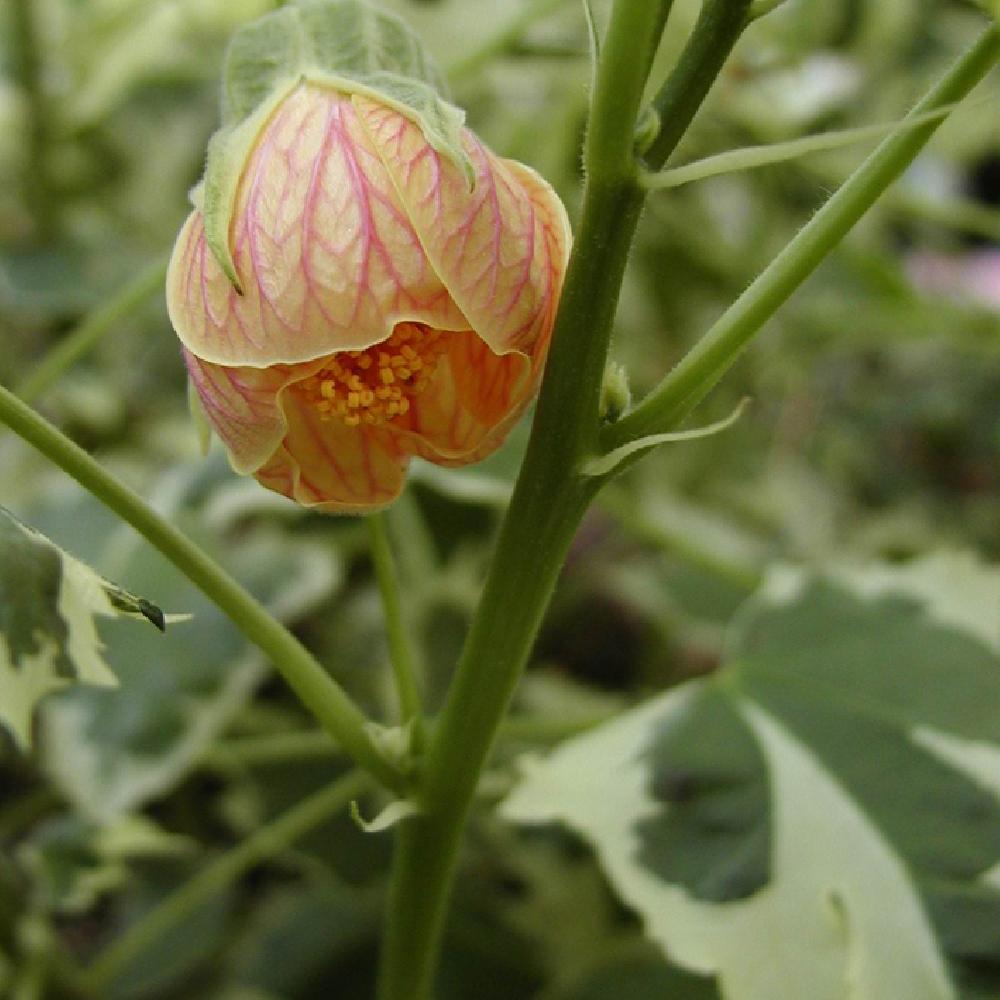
(376, 385)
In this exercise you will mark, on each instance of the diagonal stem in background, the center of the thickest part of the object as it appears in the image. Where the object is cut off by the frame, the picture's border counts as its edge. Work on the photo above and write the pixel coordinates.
(318, 691)
(82, 338)
(267, 841)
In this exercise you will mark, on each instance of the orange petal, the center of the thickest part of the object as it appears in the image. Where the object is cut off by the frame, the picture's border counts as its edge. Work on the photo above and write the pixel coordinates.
(325, 251)
(501, 249)
(242, 404)
(331, 467)
(470, 404)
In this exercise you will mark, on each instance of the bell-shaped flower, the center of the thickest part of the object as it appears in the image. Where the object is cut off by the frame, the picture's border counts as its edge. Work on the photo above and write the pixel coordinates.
(386, 307)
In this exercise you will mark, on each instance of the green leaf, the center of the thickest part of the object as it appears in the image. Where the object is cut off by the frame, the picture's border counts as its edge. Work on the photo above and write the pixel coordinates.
(603, 465)
(822, 817)
(752, 157)
(637, 974)
(48, 638)
(346, 45)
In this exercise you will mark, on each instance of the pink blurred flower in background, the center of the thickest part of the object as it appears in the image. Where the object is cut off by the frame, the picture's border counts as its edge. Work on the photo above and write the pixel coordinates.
(387, 309)
(971, 277)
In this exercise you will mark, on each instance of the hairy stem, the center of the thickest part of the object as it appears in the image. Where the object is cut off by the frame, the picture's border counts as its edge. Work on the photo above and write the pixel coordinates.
(546, 507)
(319, 692)
(717, 30)
(264, 843)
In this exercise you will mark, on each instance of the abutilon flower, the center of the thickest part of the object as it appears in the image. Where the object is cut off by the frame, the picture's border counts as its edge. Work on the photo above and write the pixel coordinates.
(386, 307)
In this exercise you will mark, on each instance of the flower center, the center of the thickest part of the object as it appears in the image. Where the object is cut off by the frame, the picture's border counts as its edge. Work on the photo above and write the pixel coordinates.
(376, 385)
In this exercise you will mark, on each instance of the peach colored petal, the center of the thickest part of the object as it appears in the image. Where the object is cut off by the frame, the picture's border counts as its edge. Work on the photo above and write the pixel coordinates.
(242, 404)
(470, 404)
(330, 467)
(325, 251)
(500, 249)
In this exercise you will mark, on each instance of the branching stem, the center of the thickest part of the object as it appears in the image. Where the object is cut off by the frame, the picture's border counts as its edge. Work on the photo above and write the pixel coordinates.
(705, 364)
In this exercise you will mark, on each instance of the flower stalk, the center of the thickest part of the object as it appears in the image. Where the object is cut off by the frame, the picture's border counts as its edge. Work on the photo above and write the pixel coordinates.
(400, 653)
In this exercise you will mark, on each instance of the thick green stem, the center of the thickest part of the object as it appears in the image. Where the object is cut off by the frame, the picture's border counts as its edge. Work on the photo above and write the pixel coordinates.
(545, 509)
(705, 364)
(319, 692)
(264, 843)
(83, 338)
(403, 666)
(719, 26)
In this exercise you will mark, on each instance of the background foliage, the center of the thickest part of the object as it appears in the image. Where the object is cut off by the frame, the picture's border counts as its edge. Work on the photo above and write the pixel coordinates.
(872, 447)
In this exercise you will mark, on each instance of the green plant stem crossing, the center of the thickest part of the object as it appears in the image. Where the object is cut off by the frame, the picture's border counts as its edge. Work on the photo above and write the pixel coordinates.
(704, 365)
(318, 691)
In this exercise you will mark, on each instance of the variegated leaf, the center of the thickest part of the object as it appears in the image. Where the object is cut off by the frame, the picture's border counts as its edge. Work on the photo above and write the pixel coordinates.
(48, 638)
(820, 818)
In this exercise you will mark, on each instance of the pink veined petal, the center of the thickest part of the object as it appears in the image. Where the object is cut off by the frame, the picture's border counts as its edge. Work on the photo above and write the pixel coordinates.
(500, 249)
(328, 466)
(325, 250)
(471, 402)
(242, 404)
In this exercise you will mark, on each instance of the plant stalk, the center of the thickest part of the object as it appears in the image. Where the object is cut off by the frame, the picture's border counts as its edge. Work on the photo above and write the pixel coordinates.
(400, 654)
(318, 691)
(717, 30)
(548, 502)
(84, 337)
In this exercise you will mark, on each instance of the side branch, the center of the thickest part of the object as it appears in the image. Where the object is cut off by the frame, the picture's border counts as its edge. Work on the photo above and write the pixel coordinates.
(688, 383)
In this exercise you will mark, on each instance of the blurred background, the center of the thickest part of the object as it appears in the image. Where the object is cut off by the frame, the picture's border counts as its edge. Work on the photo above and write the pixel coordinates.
(874, 433)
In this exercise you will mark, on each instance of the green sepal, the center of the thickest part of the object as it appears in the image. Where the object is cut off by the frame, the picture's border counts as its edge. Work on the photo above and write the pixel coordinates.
(345, 45)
